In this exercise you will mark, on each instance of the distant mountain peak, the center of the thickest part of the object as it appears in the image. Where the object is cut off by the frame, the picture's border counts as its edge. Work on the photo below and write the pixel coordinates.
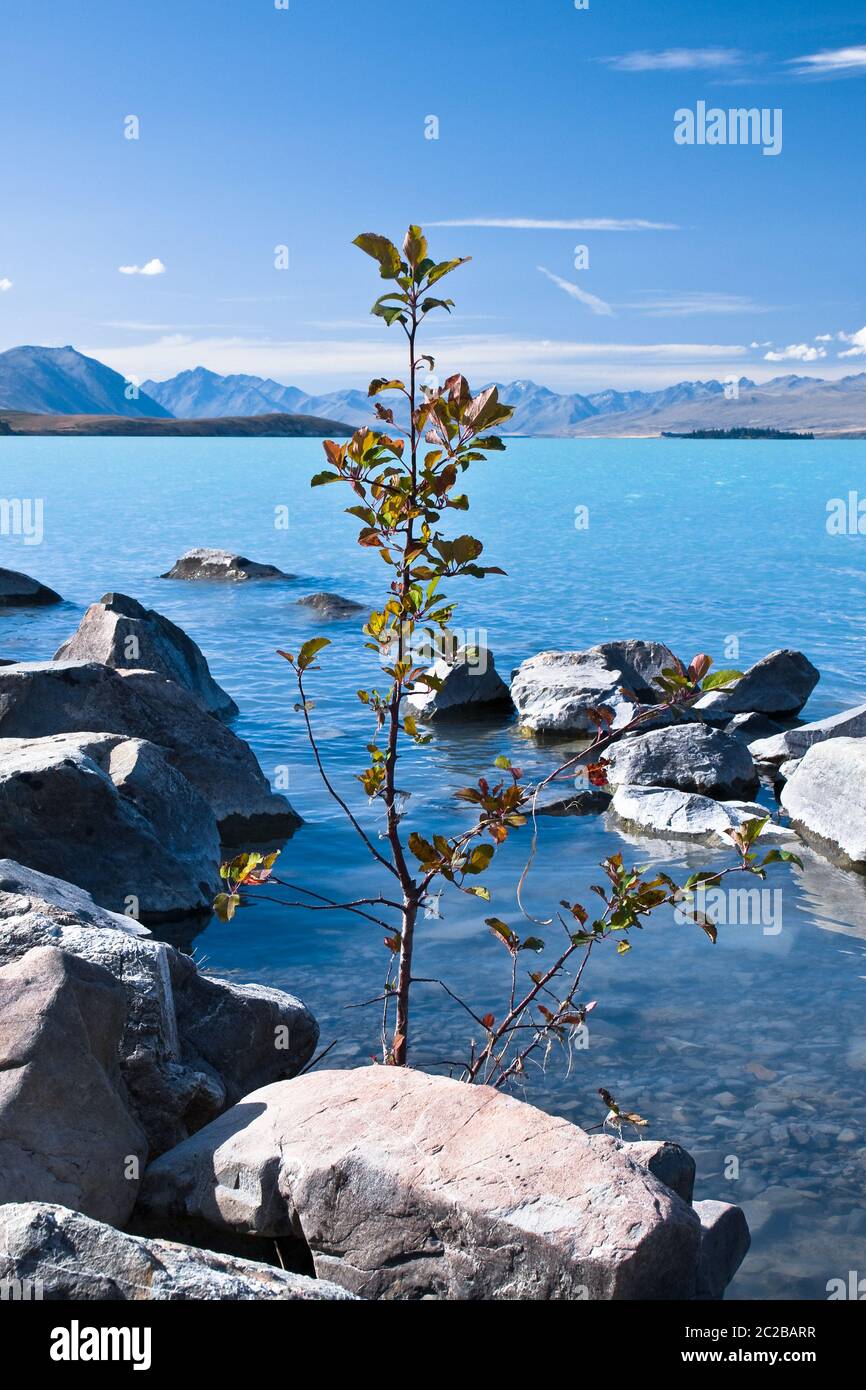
(63, 381)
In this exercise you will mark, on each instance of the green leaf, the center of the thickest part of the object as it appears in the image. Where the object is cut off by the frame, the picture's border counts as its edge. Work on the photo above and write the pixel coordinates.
(782, 856)
(717, 679)
(445, 268)
(225, 905)
(532, 943)
(503, 931)
(308, 651)
(320, 479)
(383, 251)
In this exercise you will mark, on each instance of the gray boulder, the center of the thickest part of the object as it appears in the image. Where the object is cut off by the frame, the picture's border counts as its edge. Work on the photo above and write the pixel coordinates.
(793, 743)
(406, 1185)
(553, 690)
(20, 591)
(582, 801)
(670, 814)
(112, 815)
(120, 632)
(38, 699)
(826, 800)
(66, 1134)
(58, 1254)
(471, 685)
(778, 685)
(331, 606)
(749, 727)
(668, 1162)
(725, 1242)
(203, 563)
(690, 757)
(191, 1043)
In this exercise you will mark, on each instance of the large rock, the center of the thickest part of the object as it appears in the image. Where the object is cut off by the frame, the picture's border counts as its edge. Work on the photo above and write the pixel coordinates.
(20, 591)
(406, 1185)
(470, 685)
(202, 563)
(57, 1254)
(112, 815)
(331, 606)
(120, 632)
(672, 814)
(668, 1162)
(554, 690)
(42, 698)
(191, 1043)
(778, 685)
(690, 757)
(826, 800)
(793, 743)
(66, 1134)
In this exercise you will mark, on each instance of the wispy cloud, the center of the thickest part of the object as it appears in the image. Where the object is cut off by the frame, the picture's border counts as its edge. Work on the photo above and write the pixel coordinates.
(695, 302)
(796, 352)
(676, 59)
(574, 224)
(154, 267)
(5, 285)
(592, 301)
(831, 62)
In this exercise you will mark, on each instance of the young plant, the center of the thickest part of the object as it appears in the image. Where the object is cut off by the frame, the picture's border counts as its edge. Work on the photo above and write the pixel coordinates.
(404, 479)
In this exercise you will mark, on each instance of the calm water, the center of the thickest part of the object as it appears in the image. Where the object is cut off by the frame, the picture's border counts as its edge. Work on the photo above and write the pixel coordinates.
(753, 1050)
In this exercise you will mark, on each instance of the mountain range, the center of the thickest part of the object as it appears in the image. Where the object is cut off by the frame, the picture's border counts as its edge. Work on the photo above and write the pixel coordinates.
(63, 382)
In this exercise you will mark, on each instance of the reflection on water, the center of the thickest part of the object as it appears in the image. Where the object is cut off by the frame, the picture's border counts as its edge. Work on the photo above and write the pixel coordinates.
(751, 1053)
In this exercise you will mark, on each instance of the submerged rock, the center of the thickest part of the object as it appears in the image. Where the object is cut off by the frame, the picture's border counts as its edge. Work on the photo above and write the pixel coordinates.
(668, 813)
(191, 1043)
(38, 699)
(778, 685)
(331, 605)
(553, 690)
(471, 685)
(20, 591)
(826, 800)
(66, 1134)
(690, 757)
(203, 563)
(67, 1256)
(119, 632)
(725, 1242)
(584, 801)
(408, 1186)
(793, 743)
(112, 815)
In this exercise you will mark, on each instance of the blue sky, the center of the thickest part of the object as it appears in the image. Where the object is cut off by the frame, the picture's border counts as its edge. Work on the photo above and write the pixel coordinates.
(262, 127)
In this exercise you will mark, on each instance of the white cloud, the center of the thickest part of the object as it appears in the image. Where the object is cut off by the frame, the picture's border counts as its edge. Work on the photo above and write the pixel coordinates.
(831, 62)
(5, 285)
(796, 352)
(154, 267)
(592, 301)
(330, 363)
(695, 302)
(823, 337)
(676, 59)
(858, 342)
(576, 224)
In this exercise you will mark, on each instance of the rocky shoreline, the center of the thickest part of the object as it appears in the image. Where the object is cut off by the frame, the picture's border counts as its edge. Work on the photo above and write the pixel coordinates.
(159, 1137)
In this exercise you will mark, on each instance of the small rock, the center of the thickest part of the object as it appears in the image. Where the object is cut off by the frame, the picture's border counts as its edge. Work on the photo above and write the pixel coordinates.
(112, 815)
(470, 686)
(779, 685)
(66, 1134)
(331, 605)
(119, 632)
(794, 743)
(725, 1099)
(20, 591)
(826, 800)
(691, 757)
(847, 1136)
(587, 801)
(725, 1242)
(751, 726)
(69, 1257)
(553, 690)
(665, 812)
(203, 563)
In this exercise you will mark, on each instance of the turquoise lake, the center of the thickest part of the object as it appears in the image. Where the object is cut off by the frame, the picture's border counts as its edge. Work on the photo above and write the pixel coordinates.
(751, 1053)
